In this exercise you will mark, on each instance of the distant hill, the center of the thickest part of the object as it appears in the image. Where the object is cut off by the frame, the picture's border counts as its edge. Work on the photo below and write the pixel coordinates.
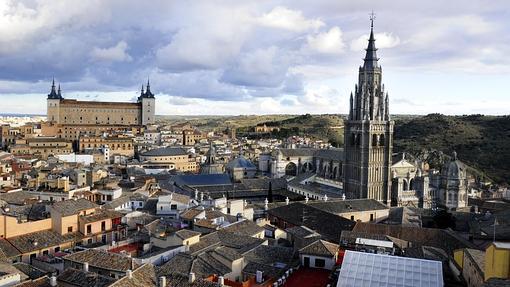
(324, 127)
(483, 142)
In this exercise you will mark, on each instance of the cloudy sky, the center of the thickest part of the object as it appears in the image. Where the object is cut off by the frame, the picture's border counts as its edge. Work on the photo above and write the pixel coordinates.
(255, 57)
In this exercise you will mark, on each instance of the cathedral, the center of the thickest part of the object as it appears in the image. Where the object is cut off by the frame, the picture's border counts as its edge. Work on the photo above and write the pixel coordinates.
(368, 133)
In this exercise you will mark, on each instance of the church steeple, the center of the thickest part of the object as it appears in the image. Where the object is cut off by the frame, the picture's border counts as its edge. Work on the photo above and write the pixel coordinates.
(371, 55)
(59, 93)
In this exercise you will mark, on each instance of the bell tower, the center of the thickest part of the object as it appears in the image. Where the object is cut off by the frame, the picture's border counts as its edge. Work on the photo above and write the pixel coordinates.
(368, 133)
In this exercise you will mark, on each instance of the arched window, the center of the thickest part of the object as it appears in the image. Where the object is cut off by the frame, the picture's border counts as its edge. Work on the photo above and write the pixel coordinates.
(374, 140)
(381, 140)
(411, 184)
(406, 185)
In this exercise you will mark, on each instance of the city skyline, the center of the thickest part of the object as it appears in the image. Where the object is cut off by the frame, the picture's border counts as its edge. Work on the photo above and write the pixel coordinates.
(228, 58)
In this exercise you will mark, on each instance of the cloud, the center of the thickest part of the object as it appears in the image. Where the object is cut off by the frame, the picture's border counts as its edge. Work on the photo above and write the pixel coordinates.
(329, 42)
(382, 40)
(287, 19)
(116, 53)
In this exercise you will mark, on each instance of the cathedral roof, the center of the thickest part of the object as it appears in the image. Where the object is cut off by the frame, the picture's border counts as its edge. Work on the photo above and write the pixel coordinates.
(454, 168)
(53, 93)
(240, 162)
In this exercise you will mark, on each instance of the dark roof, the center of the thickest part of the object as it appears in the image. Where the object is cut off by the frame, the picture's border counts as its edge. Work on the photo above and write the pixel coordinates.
(227, 253)
(371, 55)
(332, 153)
(40, 240)
(291, 152)
(201, 179)
(320, 248)
(80, 278)
(18, 197)
(73, 206)
(31, 271)
(165, 151)
(102, 259)
(328, 225)
(268, 255)
(352, 205)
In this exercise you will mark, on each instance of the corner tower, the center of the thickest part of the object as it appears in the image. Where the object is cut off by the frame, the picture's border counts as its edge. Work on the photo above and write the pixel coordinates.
(148, 103)
(53, 104)
(368, 133)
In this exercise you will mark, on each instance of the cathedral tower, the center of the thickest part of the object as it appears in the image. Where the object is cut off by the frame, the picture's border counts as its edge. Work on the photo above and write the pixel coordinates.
(148, 106)
(368, 134)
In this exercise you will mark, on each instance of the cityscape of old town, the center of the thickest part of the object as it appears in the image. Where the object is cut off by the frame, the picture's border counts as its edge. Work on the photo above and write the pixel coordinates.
(254, 143)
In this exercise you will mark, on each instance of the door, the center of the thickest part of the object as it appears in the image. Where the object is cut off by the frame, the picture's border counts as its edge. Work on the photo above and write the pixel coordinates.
(306, 261)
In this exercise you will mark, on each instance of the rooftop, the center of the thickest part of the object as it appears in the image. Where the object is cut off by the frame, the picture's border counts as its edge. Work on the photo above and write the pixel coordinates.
(166, 151)
(73, 206)
(102, 259)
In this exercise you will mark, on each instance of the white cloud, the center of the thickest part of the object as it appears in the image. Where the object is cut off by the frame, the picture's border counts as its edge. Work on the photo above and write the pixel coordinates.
(116, 53)
(382, 40)
(329, 42)
(287, 19)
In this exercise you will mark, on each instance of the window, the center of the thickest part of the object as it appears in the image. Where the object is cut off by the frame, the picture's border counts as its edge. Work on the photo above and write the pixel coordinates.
(352, 217)
(89, 229)
(69, 229)
(103, 226)
(173, 207)
(140, 204)
(45, 252)
(320, 262)
(371, 217)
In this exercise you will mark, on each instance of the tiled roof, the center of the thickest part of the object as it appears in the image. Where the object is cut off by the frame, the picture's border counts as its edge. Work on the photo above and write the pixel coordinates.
(186, 233)
(40, 240)
(31, 271)
(268, 255)
(144, 275)
(288, 152)
(180, 263)
(439, 238)
(18, 197)
(191, 213)
(102, 259)
(41, 282)
(244, 227)
(73, 206)
(8, 249)
(201, 179)
(100, 215)
(320, 248)
(328, 225)
(205, 264)
(352, 205)
(227, 253)
(80, 278)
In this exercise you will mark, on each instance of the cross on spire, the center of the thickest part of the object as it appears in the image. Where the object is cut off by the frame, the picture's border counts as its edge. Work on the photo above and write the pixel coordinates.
(372, 18)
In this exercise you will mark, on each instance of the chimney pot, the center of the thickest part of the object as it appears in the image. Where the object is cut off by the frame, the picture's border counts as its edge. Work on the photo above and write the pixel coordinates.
(191, 277)
(162, 281)
(53, 281)
(129, 274)
(86, 267)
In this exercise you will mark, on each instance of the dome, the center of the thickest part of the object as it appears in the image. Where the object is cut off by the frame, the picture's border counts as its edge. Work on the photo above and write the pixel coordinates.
(240, 162)
(454, 169)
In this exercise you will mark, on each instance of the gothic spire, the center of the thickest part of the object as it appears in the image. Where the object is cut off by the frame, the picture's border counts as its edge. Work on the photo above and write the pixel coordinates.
(53, 93)
(59, 93)
(371, 55)
(148, 93)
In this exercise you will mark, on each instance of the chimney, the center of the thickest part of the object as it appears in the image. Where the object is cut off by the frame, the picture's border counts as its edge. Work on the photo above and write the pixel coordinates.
(162, 281)
(221, 281)
(129, 274)
(53, 280)
(191, 277)
(85, 267)
(259, 276)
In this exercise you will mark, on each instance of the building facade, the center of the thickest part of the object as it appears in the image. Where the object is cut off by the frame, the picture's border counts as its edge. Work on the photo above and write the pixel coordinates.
(69, 117)
(368, 134)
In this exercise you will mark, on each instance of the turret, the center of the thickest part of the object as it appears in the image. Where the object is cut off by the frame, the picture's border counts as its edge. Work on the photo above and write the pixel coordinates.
(148, 102)
(53, 103)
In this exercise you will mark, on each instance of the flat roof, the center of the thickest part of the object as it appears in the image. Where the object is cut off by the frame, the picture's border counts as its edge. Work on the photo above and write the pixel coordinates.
(374, 270)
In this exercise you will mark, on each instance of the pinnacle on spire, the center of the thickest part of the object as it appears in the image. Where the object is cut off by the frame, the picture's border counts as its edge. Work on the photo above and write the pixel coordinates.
(371, 55)
(148, 93)
(59, 93)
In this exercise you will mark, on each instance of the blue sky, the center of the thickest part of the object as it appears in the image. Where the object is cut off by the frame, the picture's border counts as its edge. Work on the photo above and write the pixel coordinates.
(255, 57)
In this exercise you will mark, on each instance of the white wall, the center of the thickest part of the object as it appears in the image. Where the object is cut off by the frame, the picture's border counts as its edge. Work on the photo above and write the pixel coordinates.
(329, 262)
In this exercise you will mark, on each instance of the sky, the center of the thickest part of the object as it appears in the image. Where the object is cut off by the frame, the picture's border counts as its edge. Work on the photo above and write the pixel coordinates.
(255, 57)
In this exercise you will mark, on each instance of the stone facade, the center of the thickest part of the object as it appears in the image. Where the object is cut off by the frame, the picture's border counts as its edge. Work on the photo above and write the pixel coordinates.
(368, 134)
(70, 118)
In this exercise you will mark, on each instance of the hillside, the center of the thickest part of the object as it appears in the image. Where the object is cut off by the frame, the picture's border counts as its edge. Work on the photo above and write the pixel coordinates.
(480, 141)
(324, 127)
